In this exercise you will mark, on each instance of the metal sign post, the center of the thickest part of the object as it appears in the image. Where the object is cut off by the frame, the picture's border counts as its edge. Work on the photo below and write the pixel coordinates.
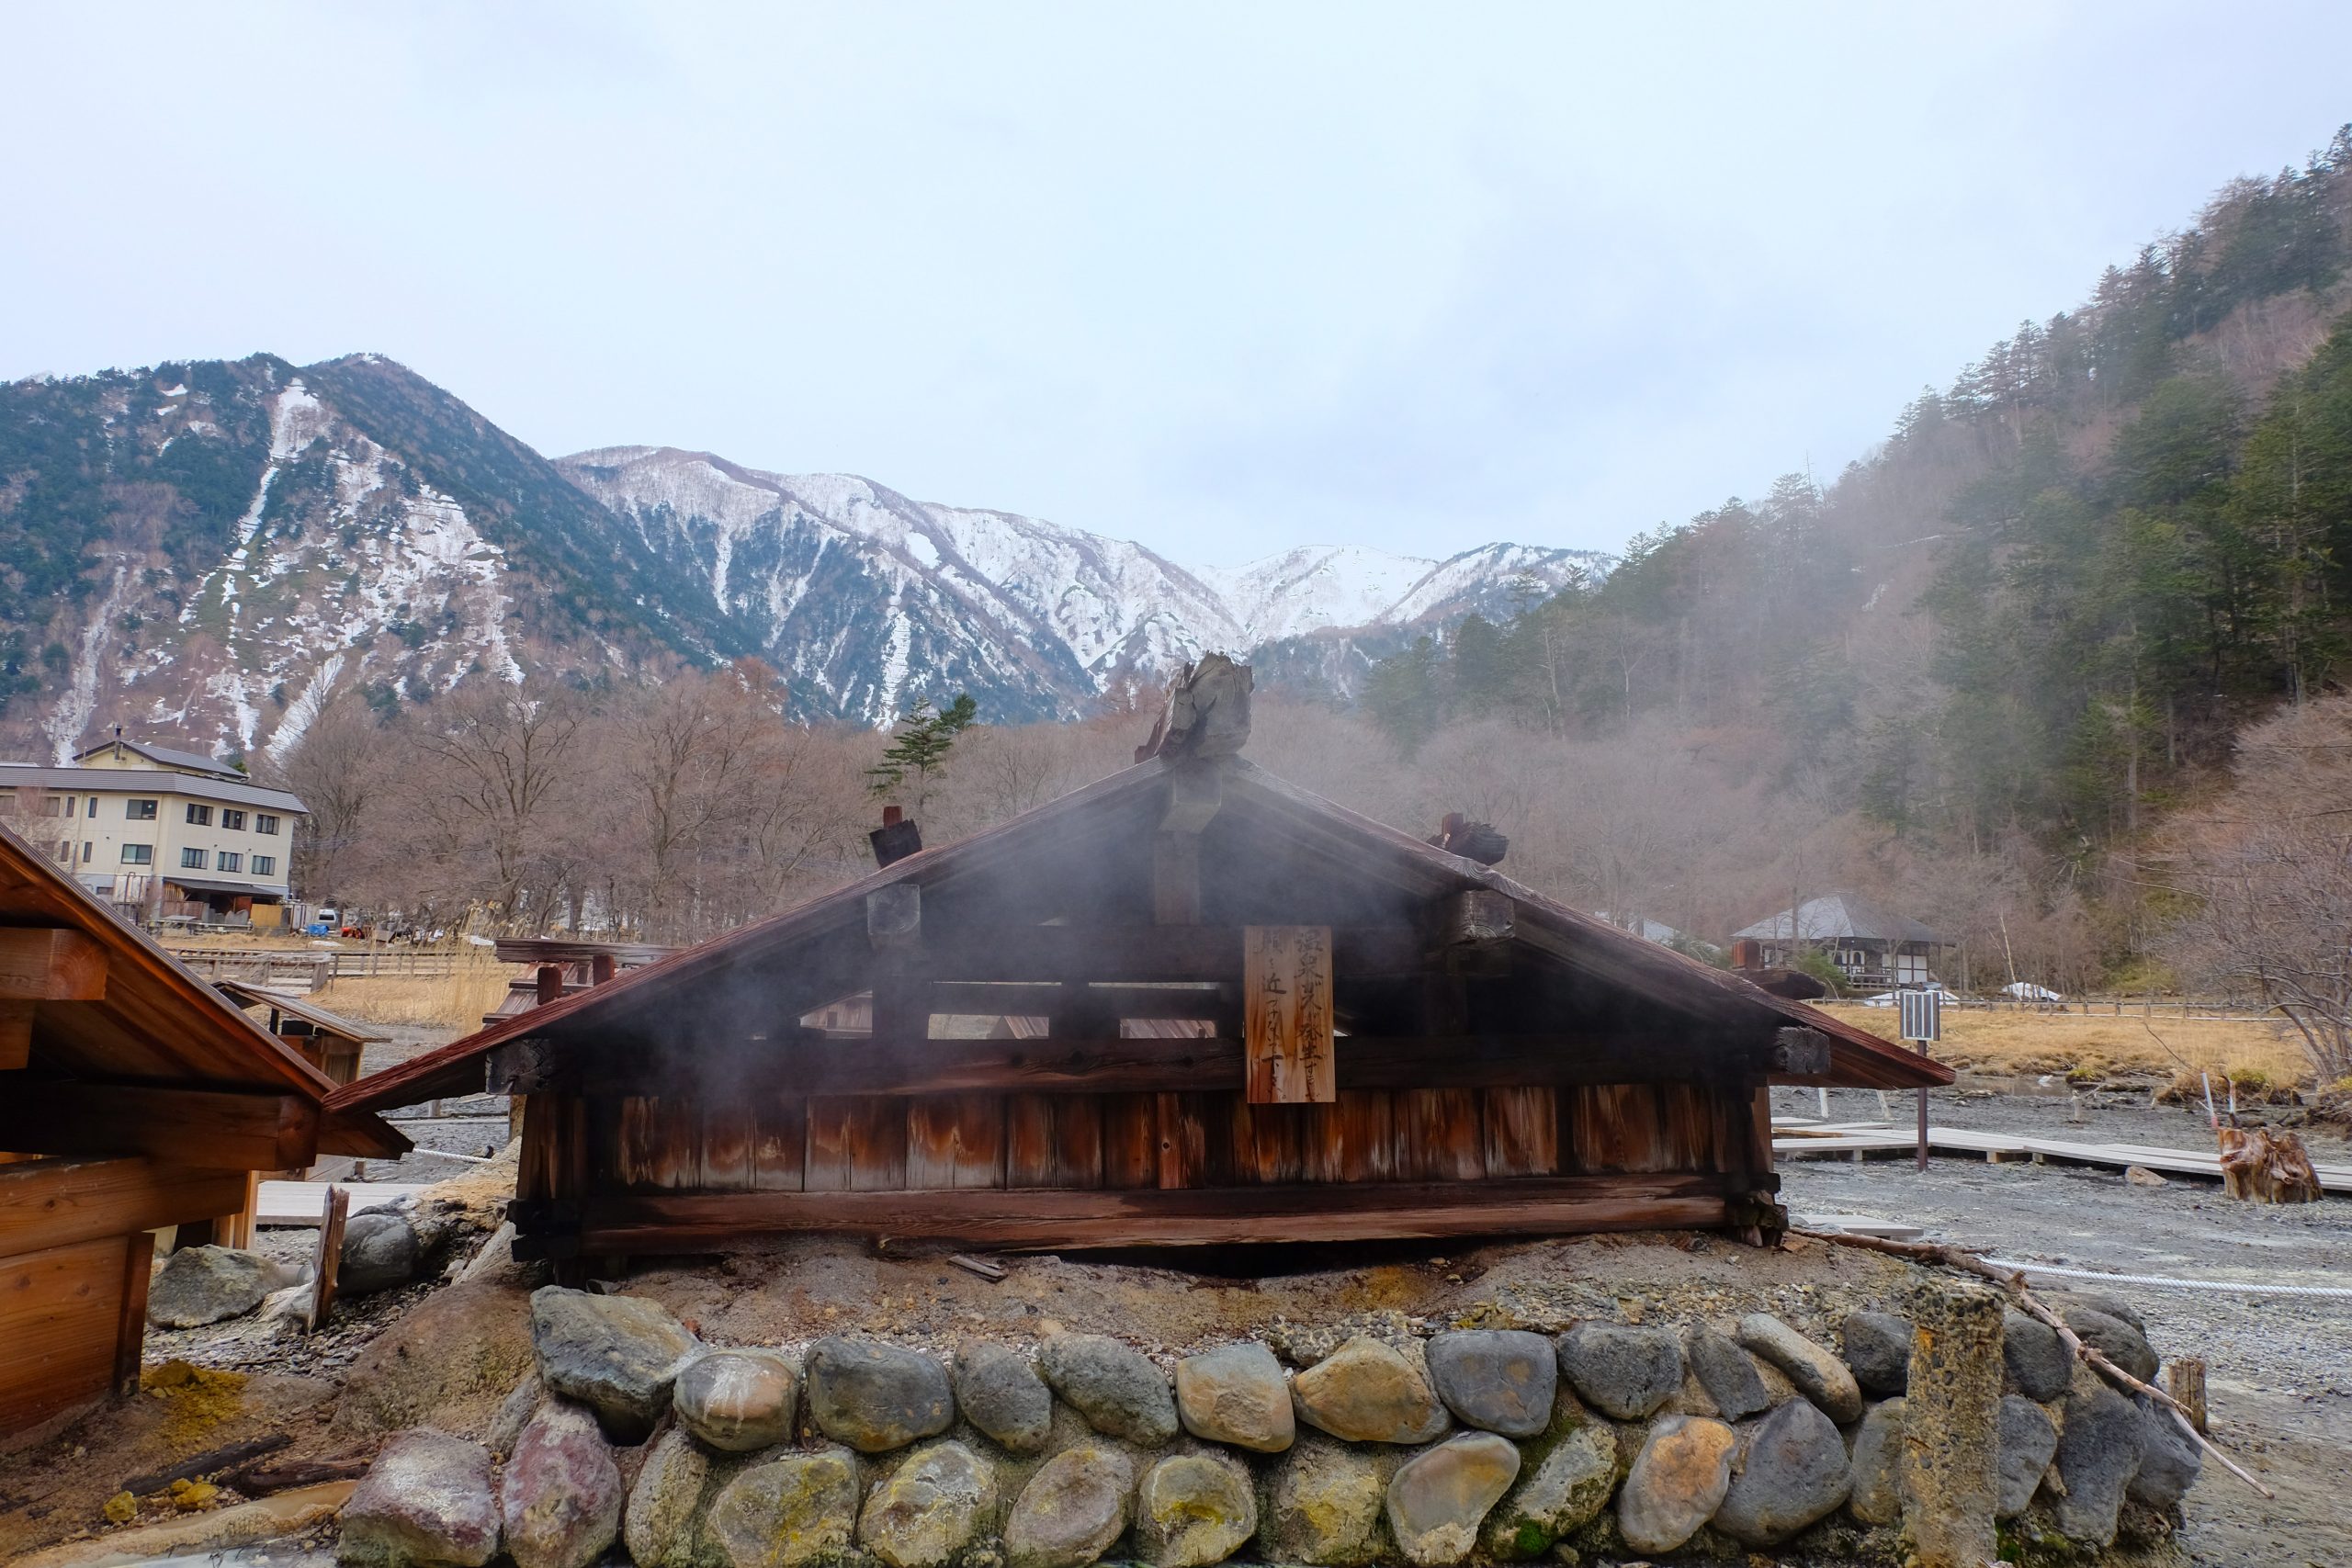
(1922, 1022)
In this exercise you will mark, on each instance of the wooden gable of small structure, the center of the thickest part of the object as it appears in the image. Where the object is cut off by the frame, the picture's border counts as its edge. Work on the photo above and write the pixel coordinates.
(132, 1098)
(1500, 1063)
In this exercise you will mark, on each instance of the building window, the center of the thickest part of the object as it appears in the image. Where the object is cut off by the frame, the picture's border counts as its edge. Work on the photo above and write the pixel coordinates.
(64, 855)
(264, 866)
(232, 820)
(232, 861)
(199, 816)
(57, 806)
(138, 811)
(139, 854)
(191, 860)
(93, 812)
(265, 823)
(89, 849)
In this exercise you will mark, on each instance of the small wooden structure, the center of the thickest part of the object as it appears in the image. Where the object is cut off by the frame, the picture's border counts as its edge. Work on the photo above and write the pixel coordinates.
(1190, 1003)
(328, 1041)
(132, 1098)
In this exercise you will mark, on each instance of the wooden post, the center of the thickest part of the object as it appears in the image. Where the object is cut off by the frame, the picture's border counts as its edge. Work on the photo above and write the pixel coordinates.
(1287, 1002)
(237, 1230)
(131, 1329)
(550, 983)
(330, 1254)
(601, 968)
(2185, 1381)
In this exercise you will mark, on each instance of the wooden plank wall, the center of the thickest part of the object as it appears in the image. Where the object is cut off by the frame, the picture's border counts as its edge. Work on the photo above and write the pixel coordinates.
(878, 1144)
(64, 1323)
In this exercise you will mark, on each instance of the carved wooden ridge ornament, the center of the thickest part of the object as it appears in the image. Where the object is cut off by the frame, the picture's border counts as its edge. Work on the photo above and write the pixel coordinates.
(1287, 986)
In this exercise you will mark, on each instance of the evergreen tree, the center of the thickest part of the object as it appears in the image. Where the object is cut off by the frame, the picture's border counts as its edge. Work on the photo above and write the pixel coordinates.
(924, 737)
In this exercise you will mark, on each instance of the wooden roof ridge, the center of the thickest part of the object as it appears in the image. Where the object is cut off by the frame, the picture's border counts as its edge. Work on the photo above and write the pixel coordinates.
(1659, 974)
(43, 893)
(297, 1007)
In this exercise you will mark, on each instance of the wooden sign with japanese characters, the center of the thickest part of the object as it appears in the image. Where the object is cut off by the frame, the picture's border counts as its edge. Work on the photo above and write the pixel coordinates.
(1286, 979)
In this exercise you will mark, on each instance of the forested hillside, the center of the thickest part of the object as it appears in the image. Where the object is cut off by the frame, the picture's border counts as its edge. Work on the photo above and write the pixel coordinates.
(2031, 620)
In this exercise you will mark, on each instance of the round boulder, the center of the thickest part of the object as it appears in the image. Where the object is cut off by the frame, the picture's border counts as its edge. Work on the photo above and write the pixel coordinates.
(1677, 1483)
(1323, 1505)
(2099, 1441)
(1071, 1511)
(2033, 1358)
(1818, 1375)
(1727, 1373)
(205, 1284)
(794, 1511)
(1621, 1370)
(617, 1355)
(1564, 1492)
(1878, 1351)
(1876, 1460)
(876, 1397)
(737, 1401)
(658, 1523)
(930, 1508)
(2169, 1457)
(1237, 1394)
(2029, 1439)
(1002, 1393)
(380, 1251)
(1501, 1380)
(1438, 1498)
(560, 1492)
(1195, 1510)
(1121, 1392)
(1792, 1470)
(426, 1499)
(2119, 1339)
(1368, 1391)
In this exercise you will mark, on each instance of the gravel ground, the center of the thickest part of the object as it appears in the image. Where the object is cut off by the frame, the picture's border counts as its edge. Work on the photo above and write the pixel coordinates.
(2279, 1368)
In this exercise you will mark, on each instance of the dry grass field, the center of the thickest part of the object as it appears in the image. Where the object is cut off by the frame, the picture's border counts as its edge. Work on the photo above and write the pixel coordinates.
(2252, 1052)
(456, 1000)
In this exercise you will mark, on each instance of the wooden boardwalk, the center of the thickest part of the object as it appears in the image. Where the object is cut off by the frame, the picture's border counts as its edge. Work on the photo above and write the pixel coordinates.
(1860, 1140)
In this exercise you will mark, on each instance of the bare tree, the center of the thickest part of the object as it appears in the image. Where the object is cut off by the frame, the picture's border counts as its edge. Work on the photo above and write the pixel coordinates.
(505, 756)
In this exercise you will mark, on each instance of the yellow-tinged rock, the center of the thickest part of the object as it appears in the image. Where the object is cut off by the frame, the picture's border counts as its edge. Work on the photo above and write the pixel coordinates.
(121, 1508)
(187, 1496)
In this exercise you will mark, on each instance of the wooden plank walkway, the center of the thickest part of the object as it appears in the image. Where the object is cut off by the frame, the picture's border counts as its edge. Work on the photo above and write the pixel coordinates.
(1858, 1140)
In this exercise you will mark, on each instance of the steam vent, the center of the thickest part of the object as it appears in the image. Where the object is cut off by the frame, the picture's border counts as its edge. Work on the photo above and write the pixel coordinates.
(977, 1214)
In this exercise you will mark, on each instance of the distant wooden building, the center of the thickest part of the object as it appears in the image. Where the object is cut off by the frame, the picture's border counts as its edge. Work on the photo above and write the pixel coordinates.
(1210, 1007)
(1870, 949)
(327, 1040)
(132, 1098)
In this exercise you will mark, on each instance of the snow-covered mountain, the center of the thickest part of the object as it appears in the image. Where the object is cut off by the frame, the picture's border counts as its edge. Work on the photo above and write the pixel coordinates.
(211, 549)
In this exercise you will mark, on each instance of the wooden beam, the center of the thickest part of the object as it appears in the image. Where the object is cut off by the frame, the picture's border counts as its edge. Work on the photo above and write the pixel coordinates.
(1476, 917)
(55, 1202)
(131, 1324)
(1093, 952)
(1176, 879)
(50, 964)
(1195, 790)
(328, 1257)
(908, 1064)
(15, 1035)
(208, 1127)
(1016, 999)
(1061, 1217)
(894, 916)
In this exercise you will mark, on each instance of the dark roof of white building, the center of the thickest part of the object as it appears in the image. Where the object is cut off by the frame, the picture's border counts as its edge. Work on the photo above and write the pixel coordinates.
(1833, 916)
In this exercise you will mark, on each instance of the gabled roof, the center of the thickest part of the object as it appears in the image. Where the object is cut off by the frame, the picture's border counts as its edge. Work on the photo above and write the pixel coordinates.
(157, 1024)
(230, 790)
(246, 994)
(751, 962)
(166, 756)
(1836, 915)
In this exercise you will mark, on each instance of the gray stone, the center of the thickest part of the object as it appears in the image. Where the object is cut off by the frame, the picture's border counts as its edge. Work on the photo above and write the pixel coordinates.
(617, 1355)
(1498, 1378)
(930, 1508)
(2038, 1363)
(559, 1494)
(2113, 1306)
(205, 1284)
(1728, 1373)
(426, 1500)
(2100, 1440)
(1121, 1392)
(1323, 1505)
(380, 1251)
(1792, 1470)
(1876, 1460)
(1237, 1394)
(1624, 1370)
(876, 1397)
(1878, 1350)
(1000, 1393)
(1438, 1498)
(1565, 1491)
(1368, 1391)
(658, 1527)
(793, 1511)
(1818, 1375)
(2029, 1440)
(2118, 1340)
(737, 1401)
(1678, 1481)
(1071, 1511)
(1193, 1509)
(512, 1412)
(2169, 1457)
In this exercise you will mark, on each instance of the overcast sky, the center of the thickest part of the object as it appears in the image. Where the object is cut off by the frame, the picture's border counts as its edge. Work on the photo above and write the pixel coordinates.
(1223, 279)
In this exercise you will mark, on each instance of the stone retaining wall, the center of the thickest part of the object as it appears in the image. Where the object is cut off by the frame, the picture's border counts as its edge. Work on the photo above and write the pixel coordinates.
(1943, 1429)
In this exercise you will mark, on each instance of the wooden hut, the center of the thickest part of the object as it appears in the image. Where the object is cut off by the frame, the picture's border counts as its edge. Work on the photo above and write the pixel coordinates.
(132, 1098)
(1237, 1013)
(327, 1040)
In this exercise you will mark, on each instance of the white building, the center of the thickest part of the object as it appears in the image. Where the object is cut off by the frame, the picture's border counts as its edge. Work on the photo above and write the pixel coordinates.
(162, 833)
